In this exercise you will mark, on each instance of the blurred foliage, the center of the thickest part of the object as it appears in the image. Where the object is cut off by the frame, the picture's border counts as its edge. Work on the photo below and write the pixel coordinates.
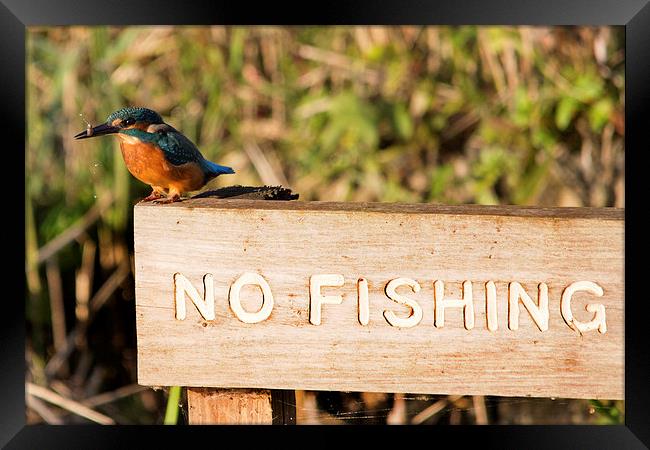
(489, 115)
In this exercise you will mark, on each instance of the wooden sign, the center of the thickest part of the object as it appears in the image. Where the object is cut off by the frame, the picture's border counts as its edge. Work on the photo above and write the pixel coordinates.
(472, 300)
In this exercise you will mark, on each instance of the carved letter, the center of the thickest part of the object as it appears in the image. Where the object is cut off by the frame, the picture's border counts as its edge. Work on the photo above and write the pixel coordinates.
(182, 286)
(316, 299)
(598, 309)
(491, 306)
(362, 291)
(416, 313)
(539, 312)
(267, 298)
(441, 304)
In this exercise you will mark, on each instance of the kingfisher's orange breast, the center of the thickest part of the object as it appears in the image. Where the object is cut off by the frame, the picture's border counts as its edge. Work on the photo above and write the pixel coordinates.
(147, 163)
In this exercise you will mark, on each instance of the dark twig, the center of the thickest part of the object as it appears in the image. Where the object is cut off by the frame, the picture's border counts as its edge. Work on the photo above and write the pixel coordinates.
(57, 309)
(96, 304)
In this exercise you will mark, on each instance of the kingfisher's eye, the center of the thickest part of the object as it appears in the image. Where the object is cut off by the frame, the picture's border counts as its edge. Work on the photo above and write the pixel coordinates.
(128, 122)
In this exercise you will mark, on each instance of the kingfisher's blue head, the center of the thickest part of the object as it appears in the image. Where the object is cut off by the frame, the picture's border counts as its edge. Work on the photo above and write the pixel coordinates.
(125, 118)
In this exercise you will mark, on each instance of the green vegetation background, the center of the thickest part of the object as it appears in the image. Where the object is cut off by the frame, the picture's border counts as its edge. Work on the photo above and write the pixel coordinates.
(487, 115)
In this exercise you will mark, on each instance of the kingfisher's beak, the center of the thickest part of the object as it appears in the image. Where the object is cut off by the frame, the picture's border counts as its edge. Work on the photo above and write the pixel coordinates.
(99, 130)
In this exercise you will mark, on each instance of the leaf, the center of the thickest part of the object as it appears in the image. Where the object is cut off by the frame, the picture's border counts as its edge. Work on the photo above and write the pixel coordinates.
(565, 111)
(236, 58)
(587, 87)
(402, 121)
(441, 176)
(523, 108)
(599, 114)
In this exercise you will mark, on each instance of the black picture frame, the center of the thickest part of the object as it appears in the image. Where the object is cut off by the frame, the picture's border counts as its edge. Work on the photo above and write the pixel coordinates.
(16, 15)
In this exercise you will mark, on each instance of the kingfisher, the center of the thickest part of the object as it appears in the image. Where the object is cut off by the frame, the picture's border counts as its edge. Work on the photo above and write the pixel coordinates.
(157, 154)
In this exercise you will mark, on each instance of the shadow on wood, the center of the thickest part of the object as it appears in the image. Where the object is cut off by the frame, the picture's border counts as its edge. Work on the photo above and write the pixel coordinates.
(251, 193)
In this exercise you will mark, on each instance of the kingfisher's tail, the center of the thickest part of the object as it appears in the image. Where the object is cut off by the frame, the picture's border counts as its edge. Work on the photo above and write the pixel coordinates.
(213, 169)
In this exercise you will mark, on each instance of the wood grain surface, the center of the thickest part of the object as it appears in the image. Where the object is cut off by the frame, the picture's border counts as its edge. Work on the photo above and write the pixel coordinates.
(288, 242)
(229, 406)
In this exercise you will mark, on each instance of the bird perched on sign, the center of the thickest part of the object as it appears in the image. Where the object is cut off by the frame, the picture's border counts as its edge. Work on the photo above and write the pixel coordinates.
(157, 154)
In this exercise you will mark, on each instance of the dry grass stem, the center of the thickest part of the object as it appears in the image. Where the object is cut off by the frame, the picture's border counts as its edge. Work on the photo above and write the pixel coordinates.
(433, 409)
(67, 404)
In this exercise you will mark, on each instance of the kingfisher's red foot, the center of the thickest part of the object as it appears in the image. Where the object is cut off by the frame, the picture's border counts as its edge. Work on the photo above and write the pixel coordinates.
(155, 195)
(172, 199)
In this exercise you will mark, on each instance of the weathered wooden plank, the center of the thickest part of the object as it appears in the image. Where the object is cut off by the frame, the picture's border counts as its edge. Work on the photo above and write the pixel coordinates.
(286, 243)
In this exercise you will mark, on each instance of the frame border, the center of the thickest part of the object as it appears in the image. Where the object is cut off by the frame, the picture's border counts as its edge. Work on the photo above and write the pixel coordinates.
(16, 15)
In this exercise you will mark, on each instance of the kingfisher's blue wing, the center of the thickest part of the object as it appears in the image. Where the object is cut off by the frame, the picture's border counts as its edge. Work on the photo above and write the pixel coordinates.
(178, 150)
